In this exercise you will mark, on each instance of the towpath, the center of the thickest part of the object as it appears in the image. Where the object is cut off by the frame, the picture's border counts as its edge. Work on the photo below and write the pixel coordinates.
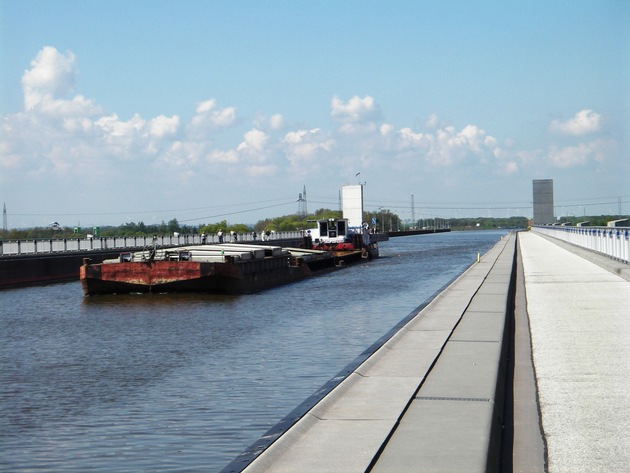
(464, 388)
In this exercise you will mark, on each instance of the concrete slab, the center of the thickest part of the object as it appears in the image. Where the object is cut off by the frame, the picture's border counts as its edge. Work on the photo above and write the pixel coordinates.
(410, 363)
(450, 301)
(464, 370)
(495, 286)
(468, 284)
(367, 398)
(324, 446)
(488, 303)
(440, 436)
(495, 278)
(478, 326)
(413, 339)
(443, 319)
(441, 314)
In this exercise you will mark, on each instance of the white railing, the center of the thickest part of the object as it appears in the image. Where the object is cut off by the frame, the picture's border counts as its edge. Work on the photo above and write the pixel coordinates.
(62, 245)
(610, 241)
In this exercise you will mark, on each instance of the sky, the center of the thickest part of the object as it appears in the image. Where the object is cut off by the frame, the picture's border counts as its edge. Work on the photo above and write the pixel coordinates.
(127, 111)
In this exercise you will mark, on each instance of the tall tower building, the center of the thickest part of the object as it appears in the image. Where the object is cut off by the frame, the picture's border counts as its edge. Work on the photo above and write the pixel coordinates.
(543, 201)
(352, 204)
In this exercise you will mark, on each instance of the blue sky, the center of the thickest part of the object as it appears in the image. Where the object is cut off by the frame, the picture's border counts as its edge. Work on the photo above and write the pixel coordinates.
(117, 111)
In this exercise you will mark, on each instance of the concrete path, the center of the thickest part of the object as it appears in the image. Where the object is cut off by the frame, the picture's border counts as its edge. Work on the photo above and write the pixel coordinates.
(579, 317)
(430, 399)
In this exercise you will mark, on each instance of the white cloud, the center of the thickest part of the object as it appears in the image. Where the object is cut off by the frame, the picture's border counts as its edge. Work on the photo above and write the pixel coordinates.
(209, 118)
(386, 129)
(276, 122)
(583, 123)
(367, 128)
(114, 127)
(217, 156)
(52, 75)
(433, 121)
(206, 106)
(273, 123)
(78, 106)
(254, 153)
(254, 141)
(447, 147)
(450, 146)
(61, 135)
(305, 148)
(355, 110)
(418, 142)
(579, 155)
(265, 170)
(162, 126)
(569, 156)
(511, 167)
(182, 155)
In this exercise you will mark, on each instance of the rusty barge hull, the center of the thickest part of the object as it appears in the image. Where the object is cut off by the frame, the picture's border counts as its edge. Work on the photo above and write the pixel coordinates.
(189, 276)
(242, 277)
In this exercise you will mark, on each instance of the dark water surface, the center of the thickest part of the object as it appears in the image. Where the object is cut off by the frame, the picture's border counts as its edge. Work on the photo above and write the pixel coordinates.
(187, 382)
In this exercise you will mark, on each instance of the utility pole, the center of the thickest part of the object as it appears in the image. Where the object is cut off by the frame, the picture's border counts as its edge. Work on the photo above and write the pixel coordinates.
(5, 225)
(413, 214)
(302, 210)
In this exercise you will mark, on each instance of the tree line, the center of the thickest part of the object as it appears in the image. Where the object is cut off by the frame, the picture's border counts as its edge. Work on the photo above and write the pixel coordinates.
(382, 220)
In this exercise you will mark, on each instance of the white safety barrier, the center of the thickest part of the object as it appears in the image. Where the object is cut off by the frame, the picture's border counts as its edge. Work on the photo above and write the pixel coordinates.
(62, 245)
(610, 241)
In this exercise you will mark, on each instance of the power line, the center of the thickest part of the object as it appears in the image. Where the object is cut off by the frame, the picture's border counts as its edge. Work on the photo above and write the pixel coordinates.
(237, 212)
(413, 210)
(135, 212)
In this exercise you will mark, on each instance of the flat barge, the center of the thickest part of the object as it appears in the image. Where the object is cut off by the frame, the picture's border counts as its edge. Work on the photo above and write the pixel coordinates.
(228, 268)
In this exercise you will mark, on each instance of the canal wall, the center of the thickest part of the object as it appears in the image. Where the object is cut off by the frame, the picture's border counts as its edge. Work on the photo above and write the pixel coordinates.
(26, 270)
(430, 397)
(45, 268)
(425, 231)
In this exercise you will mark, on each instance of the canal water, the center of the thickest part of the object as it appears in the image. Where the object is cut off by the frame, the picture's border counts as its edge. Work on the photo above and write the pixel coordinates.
(173, 383)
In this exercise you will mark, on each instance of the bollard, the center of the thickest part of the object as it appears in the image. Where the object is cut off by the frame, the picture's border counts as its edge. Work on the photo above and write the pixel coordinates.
(478, 257)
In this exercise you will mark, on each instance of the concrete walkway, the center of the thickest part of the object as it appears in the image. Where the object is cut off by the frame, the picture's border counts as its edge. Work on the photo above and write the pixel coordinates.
(522, 364)
(579, 316)
(430, 399)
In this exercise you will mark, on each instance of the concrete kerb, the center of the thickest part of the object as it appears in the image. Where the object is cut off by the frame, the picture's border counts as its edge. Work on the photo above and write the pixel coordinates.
(467, 381)
(387, 375)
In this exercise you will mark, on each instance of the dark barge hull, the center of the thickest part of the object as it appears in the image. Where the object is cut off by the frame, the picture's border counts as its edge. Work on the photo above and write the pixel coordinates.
(244, 277)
